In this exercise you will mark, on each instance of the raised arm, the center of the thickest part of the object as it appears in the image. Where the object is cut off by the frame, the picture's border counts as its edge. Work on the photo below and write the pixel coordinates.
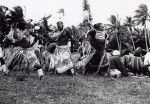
(46, 25)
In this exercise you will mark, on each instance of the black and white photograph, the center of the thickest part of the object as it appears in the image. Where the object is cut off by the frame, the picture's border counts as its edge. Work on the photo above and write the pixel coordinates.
(74, 51)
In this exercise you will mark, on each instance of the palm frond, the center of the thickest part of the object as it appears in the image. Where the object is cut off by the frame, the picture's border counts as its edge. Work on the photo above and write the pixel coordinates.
(141, 14)
(141, 20)
(129, 22)
(143, 7)
(113, 19)
(129, 19)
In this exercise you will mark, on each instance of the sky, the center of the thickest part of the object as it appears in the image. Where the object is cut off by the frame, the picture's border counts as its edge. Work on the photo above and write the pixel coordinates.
(100, 9)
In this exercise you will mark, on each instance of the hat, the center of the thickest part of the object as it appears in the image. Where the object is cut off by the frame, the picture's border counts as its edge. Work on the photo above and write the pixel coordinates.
(116, 52)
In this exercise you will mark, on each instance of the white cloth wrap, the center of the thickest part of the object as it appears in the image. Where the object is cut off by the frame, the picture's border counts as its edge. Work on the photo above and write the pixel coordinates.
(63, 59)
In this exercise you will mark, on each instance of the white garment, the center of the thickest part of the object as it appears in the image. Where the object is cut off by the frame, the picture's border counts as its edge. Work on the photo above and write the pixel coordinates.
(116, 53)
(69, 44)
(4, 69)
(63, 59)
(100, 35)
(62, 53)
(63, 68)
(40, 72)
(52, 61)
(115, 72)
(147, 59)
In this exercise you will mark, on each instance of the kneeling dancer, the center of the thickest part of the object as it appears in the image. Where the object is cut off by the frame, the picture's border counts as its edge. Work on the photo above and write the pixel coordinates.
(23, 57)
(59, 59)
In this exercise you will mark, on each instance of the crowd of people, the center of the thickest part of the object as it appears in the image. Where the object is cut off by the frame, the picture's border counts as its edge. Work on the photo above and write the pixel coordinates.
(46, 48)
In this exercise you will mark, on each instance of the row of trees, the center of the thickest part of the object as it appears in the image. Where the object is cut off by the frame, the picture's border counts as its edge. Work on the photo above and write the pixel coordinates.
(126, 35)
(129, 29)
(127, 32)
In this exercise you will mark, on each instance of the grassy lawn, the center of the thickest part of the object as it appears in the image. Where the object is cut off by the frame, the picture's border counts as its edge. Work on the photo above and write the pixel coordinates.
(74, 90)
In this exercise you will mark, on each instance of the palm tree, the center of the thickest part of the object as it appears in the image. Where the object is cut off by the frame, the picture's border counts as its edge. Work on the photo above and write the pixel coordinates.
(114, 28)
(141, 17)
(86, 7)
(130, 25)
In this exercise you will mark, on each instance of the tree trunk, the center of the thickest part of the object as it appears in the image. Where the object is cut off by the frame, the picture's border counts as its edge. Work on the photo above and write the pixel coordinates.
(118, 42)
(145, 37)
(119, 39)
(133, 43)
(148, 36)
(130, 32)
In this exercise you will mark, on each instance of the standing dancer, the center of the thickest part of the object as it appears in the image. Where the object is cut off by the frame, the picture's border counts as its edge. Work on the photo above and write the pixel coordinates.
(97, 41)
(24, 44)
(61, 52)
(24, 57)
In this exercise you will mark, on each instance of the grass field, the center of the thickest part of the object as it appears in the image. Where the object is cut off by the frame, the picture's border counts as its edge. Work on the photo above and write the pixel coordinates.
(74, 90)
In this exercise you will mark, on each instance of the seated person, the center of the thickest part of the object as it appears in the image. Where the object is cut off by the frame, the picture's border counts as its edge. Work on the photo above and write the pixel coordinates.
(60, 59)
(116, 63)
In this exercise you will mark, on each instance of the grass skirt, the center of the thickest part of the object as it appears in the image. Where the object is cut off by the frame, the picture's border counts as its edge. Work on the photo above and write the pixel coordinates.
(133, 63)
(93, 63)
(19, 59)
(60, 60)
